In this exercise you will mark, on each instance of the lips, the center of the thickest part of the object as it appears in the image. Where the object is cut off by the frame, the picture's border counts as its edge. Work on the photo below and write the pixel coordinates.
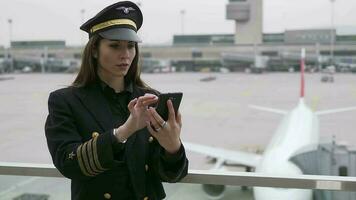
(122, 65)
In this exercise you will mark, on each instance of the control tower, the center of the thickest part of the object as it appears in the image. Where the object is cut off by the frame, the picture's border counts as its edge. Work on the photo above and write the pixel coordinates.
(248, 20)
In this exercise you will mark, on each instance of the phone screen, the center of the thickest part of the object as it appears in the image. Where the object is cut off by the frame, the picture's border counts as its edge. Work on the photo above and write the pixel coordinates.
(162, 108)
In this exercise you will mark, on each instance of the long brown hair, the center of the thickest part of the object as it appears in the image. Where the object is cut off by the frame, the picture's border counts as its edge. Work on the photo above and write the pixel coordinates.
(87, 73)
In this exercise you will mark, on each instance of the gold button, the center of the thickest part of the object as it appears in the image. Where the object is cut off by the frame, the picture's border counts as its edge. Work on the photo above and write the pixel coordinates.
(107, 196)
(150, 139)
(94, 134)
(146, 168)
(146, 198)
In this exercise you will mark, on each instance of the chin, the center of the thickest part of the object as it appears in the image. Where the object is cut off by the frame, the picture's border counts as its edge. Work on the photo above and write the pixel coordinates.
(119, 73)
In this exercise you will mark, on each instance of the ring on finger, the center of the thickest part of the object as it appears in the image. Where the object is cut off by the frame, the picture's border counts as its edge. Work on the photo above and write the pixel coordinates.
(163, 124)
(157, 129)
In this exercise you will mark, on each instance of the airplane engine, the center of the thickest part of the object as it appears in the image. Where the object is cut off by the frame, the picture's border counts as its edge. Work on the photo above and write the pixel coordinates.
(214, 191)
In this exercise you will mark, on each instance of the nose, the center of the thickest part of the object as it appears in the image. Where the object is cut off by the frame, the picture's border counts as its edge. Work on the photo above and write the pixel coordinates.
(124, 53)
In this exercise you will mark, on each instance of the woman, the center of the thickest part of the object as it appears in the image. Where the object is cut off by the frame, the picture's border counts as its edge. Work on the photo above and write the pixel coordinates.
(101, 132)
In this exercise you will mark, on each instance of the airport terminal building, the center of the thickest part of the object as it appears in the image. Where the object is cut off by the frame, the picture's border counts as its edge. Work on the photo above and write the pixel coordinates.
(247, 48)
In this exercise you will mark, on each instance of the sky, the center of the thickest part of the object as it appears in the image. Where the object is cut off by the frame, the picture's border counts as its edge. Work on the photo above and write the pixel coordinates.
(61, 19)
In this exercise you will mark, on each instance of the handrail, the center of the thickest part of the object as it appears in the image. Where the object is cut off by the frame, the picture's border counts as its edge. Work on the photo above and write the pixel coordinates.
(211, 177)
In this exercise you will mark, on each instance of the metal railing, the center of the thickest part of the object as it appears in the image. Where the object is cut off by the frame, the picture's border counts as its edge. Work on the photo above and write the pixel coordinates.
(337, 183)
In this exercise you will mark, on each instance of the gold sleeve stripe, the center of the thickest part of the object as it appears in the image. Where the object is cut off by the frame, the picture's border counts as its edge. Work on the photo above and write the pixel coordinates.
(95, 152)
(80, 161)
(113, 23)
(85, 158)
(91, 157)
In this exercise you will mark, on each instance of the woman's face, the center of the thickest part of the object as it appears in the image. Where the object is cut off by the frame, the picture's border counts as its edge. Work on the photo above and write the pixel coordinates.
(115, 57)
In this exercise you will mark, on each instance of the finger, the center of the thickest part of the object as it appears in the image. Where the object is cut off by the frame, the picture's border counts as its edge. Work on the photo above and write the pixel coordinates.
(150, 129)
(172, 114)
(132, 104)
(157, 117)
(153, 120)
(147, 100)
(150, 101)
(179, 119)
(139, 101)
(150, 95)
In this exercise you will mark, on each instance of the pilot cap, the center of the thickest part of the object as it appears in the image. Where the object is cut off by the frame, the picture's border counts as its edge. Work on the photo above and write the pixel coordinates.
(119, 21)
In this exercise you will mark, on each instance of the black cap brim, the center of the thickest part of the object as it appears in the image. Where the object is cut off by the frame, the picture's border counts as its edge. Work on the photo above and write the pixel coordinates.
(120, 34)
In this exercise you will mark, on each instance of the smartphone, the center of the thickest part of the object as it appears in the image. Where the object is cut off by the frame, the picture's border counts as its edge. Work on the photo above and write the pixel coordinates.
(162, 108)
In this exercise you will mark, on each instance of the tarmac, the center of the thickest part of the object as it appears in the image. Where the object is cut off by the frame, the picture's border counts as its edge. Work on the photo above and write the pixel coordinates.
(215, 113)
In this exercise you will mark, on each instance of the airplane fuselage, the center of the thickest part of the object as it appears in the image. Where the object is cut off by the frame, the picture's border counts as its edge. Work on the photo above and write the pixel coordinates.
(299, 129)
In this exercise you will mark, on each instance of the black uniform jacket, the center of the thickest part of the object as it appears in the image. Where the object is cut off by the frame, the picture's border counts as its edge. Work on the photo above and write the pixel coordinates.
(79, 131)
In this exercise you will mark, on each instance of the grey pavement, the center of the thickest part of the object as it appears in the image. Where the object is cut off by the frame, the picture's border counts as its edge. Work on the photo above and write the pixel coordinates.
(214, 113)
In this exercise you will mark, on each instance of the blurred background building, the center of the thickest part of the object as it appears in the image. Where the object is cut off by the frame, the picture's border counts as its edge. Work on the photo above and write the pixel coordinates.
(248, 49)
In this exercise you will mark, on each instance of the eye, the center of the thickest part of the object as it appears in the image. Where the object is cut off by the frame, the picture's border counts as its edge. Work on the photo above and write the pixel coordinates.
(114, 45)
(131, 45)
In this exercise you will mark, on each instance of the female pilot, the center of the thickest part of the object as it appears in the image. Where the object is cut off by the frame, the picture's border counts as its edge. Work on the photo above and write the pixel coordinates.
(100, 131)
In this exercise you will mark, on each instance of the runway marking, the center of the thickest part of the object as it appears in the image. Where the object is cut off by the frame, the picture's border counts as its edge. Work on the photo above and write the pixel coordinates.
(315, 102)
(246, 93)
(354, 91)
(16, 186)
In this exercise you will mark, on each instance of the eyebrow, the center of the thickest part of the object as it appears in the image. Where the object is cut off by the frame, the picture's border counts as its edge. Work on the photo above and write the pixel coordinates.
(118, 41)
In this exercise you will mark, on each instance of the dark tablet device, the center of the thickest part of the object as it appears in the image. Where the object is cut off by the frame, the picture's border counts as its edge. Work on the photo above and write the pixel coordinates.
(162, 108)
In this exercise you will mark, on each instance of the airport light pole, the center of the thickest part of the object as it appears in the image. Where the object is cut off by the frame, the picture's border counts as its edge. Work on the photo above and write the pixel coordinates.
(332, 33)
(318, 56)
(10, 31)
(9, 54)
(182, 13)
(82, 14)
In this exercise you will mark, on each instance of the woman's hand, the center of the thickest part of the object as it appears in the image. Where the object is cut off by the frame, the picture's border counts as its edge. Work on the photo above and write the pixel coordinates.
(139, 112)
(166, 133)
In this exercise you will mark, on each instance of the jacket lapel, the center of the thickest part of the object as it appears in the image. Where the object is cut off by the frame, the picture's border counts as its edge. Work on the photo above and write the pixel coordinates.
(94, 101)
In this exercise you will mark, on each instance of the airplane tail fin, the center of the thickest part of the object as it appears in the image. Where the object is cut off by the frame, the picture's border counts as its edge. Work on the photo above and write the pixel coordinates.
(302, 88)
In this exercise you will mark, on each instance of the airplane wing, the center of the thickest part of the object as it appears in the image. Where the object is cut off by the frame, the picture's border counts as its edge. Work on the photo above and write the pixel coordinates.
(240, 157)
(324, 112)
(273, 110)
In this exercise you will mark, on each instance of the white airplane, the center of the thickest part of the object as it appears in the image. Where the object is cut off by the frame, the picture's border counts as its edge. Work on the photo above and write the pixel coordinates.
(298, 131)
